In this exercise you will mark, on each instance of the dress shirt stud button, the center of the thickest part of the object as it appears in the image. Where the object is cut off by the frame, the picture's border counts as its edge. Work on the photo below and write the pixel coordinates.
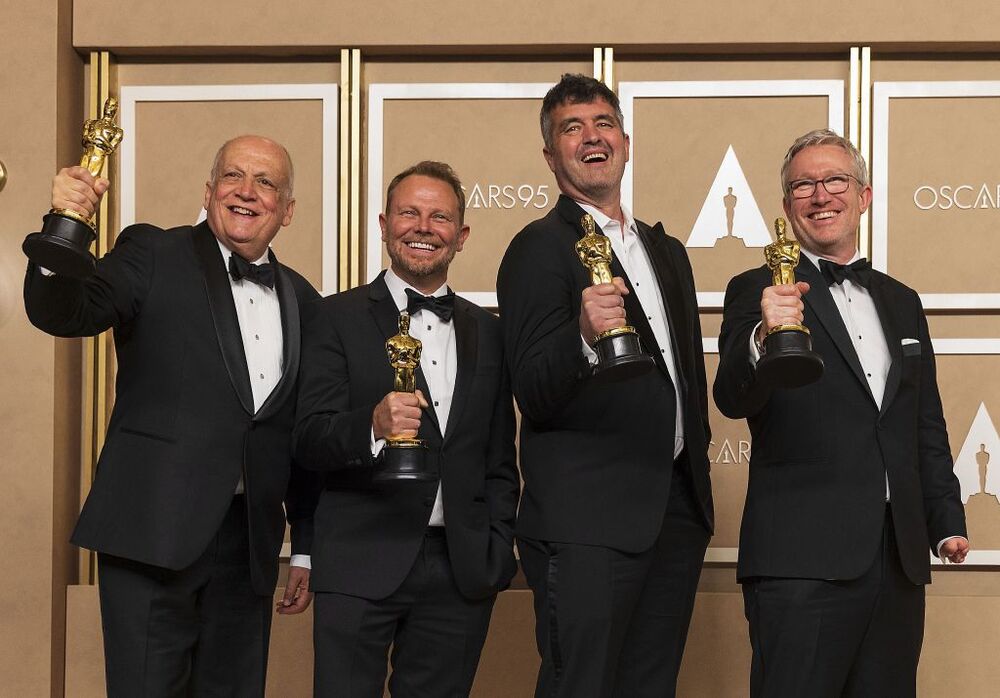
(436, 403)
(428, 327)
(262, 376)
(251, 301)
(256, 336)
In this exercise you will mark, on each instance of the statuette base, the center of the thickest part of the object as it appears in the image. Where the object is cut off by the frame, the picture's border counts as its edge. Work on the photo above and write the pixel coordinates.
(788, 360)
(403, 460)
(63, 245)
(620, 355)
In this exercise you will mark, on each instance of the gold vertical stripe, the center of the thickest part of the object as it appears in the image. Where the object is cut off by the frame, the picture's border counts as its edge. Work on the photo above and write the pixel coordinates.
(865, 146)
(344, 176)
(88, 445)
(356, 258)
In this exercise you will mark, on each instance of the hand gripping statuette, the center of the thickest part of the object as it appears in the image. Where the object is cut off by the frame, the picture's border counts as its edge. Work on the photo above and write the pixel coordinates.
(619, 352)
(788, 360)
(403, 458)
(63, 246)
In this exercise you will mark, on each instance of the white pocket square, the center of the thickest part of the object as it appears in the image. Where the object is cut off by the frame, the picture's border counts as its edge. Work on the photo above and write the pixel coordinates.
(909, 340)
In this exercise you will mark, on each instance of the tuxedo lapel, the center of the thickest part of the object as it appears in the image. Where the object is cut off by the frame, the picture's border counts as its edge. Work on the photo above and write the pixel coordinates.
(290, 341)
(467, 349)
(386, 315)
(671, 293)
(220, 301)
(823, 306)
(890, 329)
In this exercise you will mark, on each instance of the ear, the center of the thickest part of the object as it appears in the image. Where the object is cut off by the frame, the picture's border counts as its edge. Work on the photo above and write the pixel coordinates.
(208, 194)
(384, 225)
(463, 235)
(787, 206)
(289, 210)
(866, 198)
(549, 159)
(628, 146)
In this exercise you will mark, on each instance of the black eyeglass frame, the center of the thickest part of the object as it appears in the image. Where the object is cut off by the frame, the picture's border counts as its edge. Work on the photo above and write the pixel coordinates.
(797, 193)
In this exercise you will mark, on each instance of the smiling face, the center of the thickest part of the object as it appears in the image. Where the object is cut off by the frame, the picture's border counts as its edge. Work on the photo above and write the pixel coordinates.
(249, 199)
(825, 224)
(422, 231)
(588, 152)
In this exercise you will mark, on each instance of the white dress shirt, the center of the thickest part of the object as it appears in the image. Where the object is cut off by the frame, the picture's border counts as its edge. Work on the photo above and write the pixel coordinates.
(259, 317)
(438, 363)
(631, 254)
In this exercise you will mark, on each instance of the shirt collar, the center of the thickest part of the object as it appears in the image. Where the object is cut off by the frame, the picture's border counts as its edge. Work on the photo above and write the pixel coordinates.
(397, 289)
(814, 258)
(227, 253)
(602, 220)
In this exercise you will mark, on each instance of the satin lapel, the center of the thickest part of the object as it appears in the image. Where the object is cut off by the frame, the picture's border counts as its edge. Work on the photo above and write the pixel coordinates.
(655, 240)
(467, 350)
(220, 301)
(825, 309)
(290, 342)
(572, 213)
(386, 316)
(893, 338)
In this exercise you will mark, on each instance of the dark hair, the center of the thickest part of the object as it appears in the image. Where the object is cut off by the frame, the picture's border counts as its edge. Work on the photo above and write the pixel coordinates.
(574, 88)
(437, 170)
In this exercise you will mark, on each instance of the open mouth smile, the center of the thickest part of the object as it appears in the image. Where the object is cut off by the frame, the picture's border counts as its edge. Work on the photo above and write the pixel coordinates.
(242, 211)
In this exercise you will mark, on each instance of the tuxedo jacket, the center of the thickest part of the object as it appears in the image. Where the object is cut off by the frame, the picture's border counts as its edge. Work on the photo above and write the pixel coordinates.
(368, 534)
(815, 502)
(183, 429)
(597, 456)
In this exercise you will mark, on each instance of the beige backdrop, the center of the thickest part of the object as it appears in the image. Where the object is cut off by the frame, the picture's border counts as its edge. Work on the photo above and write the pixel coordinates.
(51, 626)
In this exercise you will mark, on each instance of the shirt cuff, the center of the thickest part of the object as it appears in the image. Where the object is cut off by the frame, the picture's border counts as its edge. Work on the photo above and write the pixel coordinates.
(754, 349)
(46, 272)
(942, 542)
(300, 561)
(588, 351)
(375, 445)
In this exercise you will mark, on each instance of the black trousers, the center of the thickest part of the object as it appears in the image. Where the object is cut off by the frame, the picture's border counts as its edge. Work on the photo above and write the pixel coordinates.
(200, 631)
(609, 623)
(831, 638)
(436, 635)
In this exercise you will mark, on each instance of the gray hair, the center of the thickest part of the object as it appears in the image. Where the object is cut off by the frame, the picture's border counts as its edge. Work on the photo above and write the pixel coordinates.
(574, 88)
(825, 136)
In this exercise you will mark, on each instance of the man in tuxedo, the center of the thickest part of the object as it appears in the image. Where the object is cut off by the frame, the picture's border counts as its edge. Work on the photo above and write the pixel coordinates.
(185, 511)
(617, 505)
(413, 564)
(851, 483)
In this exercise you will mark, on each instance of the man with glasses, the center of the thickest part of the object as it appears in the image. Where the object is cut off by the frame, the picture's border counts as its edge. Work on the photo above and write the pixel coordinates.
(851, 481)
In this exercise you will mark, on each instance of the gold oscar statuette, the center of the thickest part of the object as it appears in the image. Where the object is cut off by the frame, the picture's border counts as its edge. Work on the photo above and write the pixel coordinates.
(619, 351)
(788, 360)
(63, 245)
(403, 458)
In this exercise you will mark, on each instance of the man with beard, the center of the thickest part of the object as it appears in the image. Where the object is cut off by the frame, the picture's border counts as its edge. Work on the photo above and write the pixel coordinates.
(851, 482)
(617, 507)
(412, 565)
(185, 511)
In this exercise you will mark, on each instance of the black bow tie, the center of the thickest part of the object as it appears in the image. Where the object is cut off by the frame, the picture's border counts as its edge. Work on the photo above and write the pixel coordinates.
(262, 274)
(442, 306)
(859, 272)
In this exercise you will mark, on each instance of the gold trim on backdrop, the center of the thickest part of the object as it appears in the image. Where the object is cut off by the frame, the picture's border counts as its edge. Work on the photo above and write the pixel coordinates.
(356, 261)
(865, 142)
(854, 98)
(608, 77)
(598, 62)
(343, 212)
(97, 350)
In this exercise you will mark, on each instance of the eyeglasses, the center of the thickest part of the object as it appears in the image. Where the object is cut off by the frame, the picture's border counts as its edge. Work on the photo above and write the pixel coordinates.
(834, 184)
